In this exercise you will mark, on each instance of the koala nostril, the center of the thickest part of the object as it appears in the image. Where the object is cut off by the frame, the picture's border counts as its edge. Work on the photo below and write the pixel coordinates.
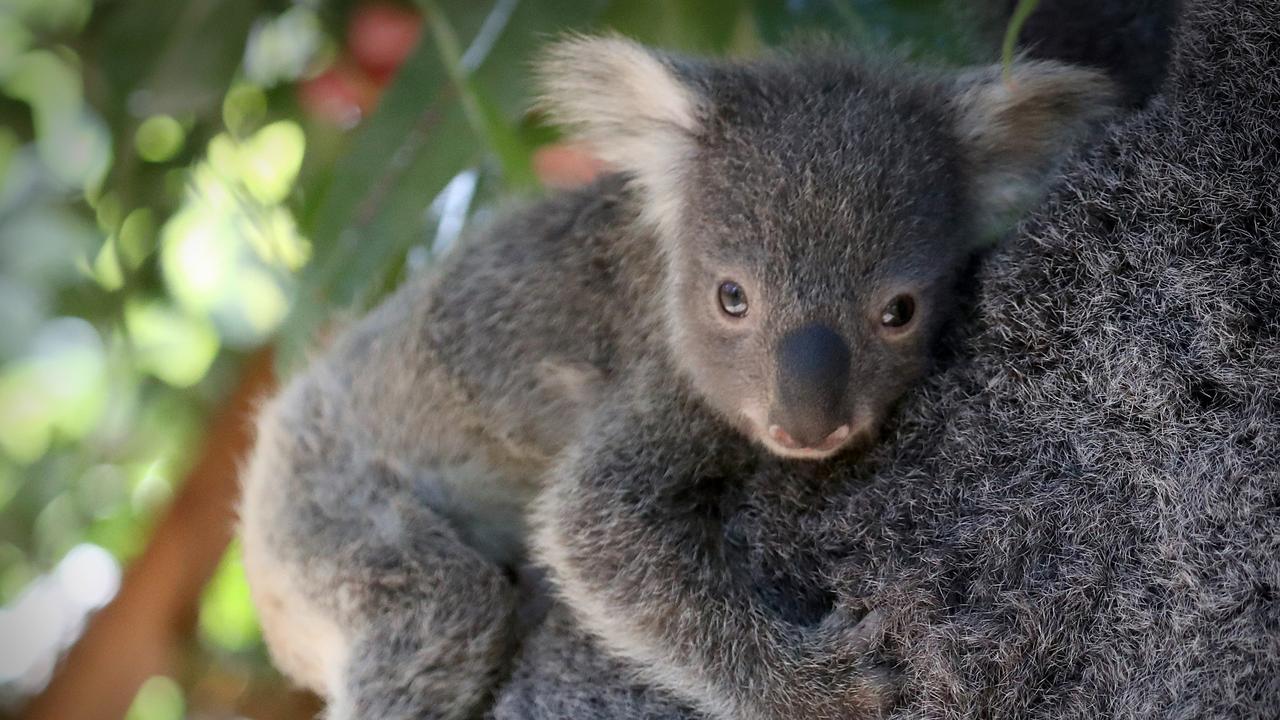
(838, 436)
(830, 442)
(783, 439)
(835, 439)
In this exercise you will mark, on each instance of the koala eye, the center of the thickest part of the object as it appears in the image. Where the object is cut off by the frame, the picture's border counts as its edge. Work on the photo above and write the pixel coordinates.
(898, 311)
(733, 299)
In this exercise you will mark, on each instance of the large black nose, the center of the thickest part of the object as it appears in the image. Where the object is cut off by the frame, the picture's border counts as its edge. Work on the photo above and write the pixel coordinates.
(813, 381)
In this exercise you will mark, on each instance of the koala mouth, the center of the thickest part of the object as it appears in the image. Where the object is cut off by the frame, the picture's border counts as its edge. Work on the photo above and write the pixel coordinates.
(855, 435)
(781, 440)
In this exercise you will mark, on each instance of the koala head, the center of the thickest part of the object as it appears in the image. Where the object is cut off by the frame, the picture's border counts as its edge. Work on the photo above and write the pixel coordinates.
(815, 213)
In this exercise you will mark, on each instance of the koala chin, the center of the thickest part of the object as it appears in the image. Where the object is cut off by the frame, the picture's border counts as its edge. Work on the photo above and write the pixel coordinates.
(764, 273)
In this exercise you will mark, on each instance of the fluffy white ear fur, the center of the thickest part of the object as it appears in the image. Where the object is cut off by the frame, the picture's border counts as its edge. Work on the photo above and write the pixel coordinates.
(1015, 130)
(631, 108)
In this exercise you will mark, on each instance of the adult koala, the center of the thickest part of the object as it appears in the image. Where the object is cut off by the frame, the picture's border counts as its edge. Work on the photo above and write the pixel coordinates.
(1080, 517)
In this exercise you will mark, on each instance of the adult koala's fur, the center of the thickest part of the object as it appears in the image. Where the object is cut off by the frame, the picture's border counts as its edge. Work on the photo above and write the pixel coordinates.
(1080, 518)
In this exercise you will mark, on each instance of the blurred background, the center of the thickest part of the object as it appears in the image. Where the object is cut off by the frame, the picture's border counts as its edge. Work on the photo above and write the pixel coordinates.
(190, 190)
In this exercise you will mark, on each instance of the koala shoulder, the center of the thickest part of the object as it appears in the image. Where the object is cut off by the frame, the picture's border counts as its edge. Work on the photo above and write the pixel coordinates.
(550, 271)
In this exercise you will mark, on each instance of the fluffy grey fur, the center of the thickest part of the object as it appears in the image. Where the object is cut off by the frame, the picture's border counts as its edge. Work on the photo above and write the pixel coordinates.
(384, 502)
(1079, 518)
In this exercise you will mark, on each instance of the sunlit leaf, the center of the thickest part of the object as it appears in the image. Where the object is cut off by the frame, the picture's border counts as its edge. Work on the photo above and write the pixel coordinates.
(222, 156)
(159, 698)
(52, 15)
(15, 572)
(136, 237)
(243, 108)
(159, 138)
(58, 387)
(227, 617)
(270, 160)
(108, 210)
(25, 427)
(227, 256)
(15, 38)
(172, 345)
(281, 49)
(57, 528)
(106, 267)
(121, 531)
(198, 257)
(72, 140)
(153, 489)
(280, 244)
(101, 490)
(264, 302)
(46, 82)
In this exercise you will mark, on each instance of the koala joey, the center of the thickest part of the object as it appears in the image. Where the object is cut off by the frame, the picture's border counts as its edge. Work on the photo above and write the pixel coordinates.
(764, 275)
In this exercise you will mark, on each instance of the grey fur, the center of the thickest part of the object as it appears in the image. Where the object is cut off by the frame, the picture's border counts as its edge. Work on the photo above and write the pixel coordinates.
(385, 499)
(1080, 518)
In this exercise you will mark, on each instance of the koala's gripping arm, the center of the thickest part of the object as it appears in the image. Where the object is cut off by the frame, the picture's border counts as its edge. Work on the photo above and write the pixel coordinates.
(366, 594)
(637, 556)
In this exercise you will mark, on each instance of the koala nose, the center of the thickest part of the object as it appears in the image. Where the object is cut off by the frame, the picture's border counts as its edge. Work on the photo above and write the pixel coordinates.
(813, 381)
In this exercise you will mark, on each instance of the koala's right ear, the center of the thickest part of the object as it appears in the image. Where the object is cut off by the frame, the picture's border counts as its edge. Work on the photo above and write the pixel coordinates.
(631, 106)
(1015, 129)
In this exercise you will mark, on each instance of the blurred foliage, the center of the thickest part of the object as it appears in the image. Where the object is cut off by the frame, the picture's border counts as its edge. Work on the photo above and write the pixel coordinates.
(159, 698)
(184, 181)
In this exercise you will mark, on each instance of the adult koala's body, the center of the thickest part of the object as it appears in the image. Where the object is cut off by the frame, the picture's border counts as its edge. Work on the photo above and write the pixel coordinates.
(770, 269)
(1082, 518)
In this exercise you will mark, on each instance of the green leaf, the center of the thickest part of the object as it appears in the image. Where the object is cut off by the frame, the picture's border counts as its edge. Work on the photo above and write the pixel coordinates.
(227, 617)
(1011, 33)
(173, 346)
(420, 137)
(60, 388)
(270, 160)
(495, 131)
(159, 138)
(159, 698)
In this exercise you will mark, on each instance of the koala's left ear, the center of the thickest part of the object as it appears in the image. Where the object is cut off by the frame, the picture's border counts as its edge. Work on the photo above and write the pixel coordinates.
(630, 105)
(1015, 130)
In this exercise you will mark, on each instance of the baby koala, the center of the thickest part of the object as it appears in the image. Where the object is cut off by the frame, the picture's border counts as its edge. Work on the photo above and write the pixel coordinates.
(768, 268)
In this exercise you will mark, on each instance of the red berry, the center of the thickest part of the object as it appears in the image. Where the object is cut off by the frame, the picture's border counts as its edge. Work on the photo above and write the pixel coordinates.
(341, 95)
(381, 35)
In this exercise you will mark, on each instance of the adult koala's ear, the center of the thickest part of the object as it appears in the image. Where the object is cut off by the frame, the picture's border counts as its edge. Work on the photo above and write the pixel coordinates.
(1015, 130)
(632, 107)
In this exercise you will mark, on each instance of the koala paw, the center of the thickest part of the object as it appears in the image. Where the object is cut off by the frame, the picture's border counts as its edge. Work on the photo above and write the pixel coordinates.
(844, 651)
